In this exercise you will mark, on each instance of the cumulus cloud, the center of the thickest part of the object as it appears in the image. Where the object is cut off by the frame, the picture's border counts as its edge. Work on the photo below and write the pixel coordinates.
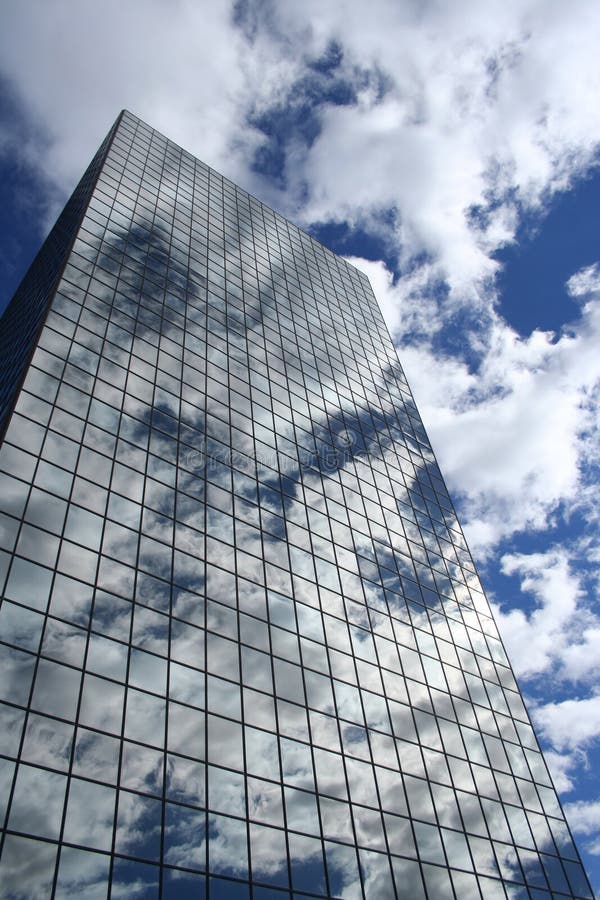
(585, 282)
(383, 286)
(453, 116)
(183, 67)
(514, 436)
(569, 724)
(583, 816)
(562, 768)
(435, 127)
(581, 659)
(537, 640)
(476, 120)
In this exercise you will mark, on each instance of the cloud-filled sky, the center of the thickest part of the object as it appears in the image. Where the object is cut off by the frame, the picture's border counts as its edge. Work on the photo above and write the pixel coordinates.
(451, 150)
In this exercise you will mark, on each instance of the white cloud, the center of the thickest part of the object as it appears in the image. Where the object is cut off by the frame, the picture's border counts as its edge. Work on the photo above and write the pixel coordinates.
(584, 816)
(183, 67)
(482, 105)
(467, 114)
(382, 283)
(585, 282)
(584, 819)
(569, 724)
(480, 108)
(536, 641)
(581, 659)
(562, 766)
(512, 438)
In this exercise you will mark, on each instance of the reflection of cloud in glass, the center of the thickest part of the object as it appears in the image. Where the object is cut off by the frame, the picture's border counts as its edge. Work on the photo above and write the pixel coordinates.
(145, 718)
(96, 755)
(132, 880)
(37, 802)
(184, 841)
(48, 742)
(227, 846)
(142, 768)
(373, 564)
(21, 626)
(28, 583)
(177, 884)
(138, 826)
(7, 768)
(101, 704)
(27, 868)
(342, 868)
(82, 874)
(306, 861)
(186, 730)
(185, 780)
(268, 854)
(90, 814)
(226, 791)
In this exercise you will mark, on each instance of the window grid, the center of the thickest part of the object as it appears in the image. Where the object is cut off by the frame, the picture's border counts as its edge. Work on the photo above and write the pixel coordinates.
(240, 621)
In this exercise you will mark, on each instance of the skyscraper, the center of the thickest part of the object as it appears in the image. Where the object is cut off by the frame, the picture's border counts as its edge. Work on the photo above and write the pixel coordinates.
(245, 652)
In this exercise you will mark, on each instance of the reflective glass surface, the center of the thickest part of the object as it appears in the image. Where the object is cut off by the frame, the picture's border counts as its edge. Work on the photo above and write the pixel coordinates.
(245, 652)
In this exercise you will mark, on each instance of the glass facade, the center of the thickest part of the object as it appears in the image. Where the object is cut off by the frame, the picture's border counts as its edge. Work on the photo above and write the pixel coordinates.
(245, 653)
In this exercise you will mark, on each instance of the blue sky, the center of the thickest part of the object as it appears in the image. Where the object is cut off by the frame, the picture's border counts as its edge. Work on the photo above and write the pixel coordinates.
(452, 151)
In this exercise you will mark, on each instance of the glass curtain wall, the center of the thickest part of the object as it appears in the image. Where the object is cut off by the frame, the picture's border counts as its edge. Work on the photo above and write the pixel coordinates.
(245, 653)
